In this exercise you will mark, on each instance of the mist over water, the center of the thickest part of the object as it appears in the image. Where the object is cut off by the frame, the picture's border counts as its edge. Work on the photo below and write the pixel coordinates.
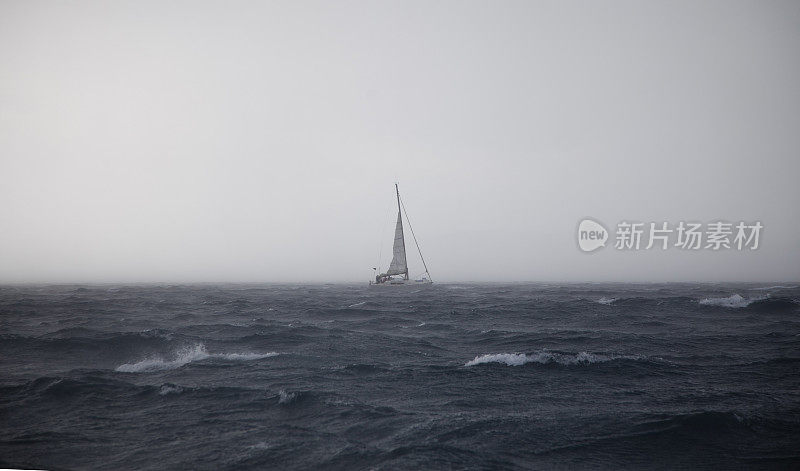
(609, 376)
(173, 142)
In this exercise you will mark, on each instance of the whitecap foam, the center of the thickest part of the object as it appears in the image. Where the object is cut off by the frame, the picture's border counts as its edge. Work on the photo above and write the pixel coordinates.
(184, 356)
(510, 359)
(244, 356)
(261, 446)
(734, 301)
(169, 389)
(285, 398)
(606, 301)
(543, 357)
(358, 304)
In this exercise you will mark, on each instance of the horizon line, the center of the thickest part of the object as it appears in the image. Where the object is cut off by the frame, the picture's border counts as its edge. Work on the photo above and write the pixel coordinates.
(340, 282)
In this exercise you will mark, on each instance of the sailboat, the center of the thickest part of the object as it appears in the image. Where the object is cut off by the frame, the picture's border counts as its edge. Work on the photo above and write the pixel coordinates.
(397, 274)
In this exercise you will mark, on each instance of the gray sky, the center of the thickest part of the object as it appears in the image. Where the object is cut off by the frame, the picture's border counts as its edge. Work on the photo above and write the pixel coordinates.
(258, 141)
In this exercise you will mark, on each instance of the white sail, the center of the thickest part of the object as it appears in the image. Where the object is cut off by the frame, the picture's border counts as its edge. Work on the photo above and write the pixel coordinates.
(398, 265)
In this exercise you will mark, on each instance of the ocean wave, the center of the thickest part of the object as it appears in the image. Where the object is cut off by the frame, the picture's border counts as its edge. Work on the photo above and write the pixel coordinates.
(774, 304)
(510, 359)
(365, 311)
(640, 301)
(518, 359)
(97, 384)
(762, 303)
(66, 387)
(261, 446)
(734, 301)
(100, 345)
(362, 368)
(700, 426)
(285, 398)
(167, 389)
(697, 422)
(185, 356)
(606, 301)
(84, 333)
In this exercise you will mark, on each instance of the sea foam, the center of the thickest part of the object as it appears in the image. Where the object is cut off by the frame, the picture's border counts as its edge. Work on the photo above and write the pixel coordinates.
(510, 359)
(285, 398)
(167, 389)
(734, 301)
(518, 359)
(184, 356)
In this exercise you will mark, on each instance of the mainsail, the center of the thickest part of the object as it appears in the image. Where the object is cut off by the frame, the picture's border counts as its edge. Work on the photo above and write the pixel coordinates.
(398, 265)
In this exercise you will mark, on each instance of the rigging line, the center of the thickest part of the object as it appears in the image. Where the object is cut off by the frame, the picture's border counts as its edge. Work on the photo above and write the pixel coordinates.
(415, 238)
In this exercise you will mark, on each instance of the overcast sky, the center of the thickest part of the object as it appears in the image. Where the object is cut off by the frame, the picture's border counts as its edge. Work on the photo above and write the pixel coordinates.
(259, 141)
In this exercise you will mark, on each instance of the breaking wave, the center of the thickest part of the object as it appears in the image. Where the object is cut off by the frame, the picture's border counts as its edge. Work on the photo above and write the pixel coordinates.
(518, 359)
(606, 301)
(762, 303)
(167, 389)
(285, 398)
(734, 301)
(184, 356)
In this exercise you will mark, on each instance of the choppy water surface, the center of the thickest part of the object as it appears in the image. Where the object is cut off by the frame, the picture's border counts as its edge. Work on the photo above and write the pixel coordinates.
(353, 377)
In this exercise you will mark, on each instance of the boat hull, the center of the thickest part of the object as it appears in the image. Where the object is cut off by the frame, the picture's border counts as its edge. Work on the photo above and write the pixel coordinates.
(403, 283)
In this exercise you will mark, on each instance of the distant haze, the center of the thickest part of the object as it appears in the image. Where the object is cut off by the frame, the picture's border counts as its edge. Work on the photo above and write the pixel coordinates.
(189, 141)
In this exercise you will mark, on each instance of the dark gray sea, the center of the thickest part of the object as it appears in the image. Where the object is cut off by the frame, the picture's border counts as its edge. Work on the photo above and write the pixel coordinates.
(452, 376)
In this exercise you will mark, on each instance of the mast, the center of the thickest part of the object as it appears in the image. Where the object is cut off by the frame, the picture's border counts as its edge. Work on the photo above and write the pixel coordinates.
(403, 240)
(397, 190)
